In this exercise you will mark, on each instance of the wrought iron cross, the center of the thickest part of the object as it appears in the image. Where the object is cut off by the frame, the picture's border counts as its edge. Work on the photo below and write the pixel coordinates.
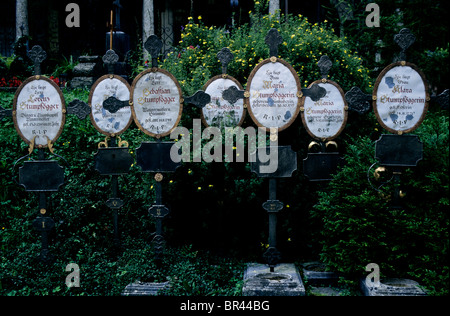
(37, 55)
(404, 39)
(358, 101)
(153, 45)
(225, 56)
(110, 59)
(325, 65)
(273, 39)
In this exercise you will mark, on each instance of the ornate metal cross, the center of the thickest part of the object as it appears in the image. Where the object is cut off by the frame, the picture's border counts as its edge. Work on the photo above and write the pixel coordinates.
(37, 55)
(273, 40)
(225, 56)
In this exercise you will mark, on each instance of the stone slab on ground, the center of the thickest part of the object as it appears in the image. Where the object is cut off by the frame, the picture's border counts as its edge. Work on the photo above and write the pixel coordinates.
(315, 274)
(144, 288)
(325, 291)
(392, 287)
(284, 281)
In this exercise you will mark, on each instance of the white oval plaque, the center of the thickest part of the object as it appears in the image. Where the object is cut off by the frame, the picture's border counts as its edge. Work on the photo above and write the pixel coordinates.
(104, 121)
(219, 112)
(39, 111)
(156, 102)
(273, 90)
(326, 118)
(400, 97)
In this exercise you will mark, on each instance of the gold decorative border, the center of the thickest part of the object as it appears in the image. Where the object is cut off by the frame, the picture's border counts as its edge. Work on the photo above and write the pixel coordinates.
(344, 122)
(91, 95)
(63, 110)
(247, 92)
(133, 85)
(375, 91)
(226, 77)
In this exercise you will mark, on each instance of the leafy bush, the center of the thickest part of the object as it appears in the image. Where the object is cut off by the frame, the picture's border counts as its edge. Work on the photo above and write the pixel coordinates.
(360, 227)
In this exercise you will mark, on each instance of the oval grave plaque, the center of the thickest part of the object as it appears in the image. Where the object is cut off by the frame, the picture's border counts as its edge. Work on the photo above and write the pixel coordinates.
(39, 111)
(103, 120)
(156, 102)
(326, 118)
(219, 112)
(400, 97)
(273, 94)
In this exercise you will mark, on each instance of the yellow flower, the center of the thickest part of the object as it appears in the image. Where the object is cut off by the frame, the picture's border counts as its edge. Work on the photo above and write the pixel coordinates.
(199, 188)
(199, 17)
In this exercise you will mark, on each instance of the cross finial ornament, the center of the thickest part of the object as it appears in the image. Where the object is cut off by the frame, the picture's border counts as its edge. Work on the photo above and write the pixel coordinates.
(37, 55)
(225, 56)
(404, 39)
(325, 65)
(153, 45)
(110, 59)
(273, 39)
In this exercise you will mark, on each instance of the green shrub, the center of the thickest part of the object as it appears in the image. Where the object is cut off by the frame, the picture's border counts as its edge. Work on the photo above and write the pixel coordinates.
(359, 227)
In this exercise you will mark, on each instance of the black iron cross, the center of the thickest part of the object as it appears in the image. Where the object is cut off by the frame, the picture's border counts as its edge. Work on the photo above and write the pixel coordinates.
(225, 56)
(358, 101)
(37, 55)
(110, 59)
(153, 45)
(325, 65)
(404, 39)
(273, 40)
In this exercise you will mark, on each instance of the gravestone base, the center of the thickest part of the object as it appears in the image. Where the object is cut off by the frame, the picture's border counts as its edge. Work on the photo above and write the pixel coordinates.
(393, 287)
(284, 281)
(315, 274)
(139, 288)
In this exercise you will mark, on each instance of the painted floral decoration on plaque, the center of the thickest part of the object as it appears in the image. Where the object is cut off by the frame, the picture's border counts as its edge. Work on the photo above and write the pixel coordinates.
(103, 120)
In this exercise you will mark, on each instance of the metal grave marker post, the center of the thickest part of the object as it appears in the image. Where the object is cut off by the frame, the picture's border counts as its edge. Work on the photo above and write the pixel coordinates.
(157, 104)
(110, 114)
(324, 120)
(400, 102)
(39, 114)
(220, 112)
(272, 97)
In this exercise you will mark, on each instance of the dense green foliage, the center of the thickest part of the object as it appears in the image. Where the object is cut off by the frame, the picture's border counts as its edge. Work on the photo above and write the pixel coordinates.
(216, 208)
(359, 225)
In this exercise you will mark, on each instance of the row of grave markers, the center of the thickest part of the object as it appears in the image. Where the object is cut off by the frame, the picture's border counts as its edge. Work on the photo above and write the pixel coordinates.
(273, 97)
